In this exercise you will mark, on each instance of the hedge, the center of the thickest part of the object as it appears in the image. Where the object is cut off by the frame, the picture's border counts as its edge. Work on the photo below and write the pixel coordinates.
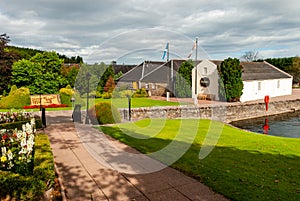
(18, 124)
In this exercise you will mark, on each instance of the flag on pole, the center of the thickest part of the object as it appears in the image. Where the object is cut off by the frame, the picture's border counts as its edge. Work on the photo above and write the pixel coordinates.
(194, 47)
(165, 51)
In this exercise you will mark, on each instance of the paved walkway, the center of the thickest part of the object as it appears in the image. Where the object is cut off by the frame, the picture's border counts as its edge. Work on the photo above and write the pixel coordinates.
(85, 159)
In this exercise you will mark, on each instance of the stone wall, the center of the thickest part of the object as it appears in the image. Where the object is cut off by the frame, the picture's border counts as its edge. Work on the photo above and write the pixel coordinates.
(223, 112)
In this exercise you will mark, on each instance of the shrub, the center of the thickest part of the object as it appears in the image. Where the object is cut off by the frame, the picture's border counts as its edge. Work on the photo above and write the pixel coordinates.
(125, 93)
(140, 93)
(16, 99)
(107, 95)
(13, 89)
(104, 113)
(67, 93)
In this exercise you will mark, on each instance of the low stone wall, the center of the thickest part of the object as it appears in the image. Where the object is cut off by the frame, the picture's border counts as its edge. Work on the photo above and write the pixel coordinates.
(222, 112)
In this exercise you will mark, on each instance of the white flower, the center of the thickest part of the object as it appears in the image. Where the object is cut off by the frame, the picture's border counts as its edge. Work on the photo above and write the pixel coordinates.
(3, 151)
(9, 155)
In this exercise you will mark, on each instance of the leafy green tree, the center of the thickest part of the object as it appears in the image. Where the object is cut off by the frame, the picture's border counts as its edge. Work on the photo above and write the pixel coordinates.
(41, 73)
(183, 80)
(70, 73)
(230, 72)
(96, 71)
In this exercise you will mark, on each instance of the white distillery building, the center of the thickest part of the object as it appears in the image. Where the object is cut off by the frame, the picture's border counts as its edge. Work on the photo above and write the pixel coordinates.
(259, 78)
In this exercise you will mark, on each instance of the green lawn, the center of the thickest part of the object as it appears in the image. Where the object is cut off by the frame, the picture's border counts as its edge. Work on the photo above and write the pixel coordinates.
(242, 166)
(135, 102)
(118, 102)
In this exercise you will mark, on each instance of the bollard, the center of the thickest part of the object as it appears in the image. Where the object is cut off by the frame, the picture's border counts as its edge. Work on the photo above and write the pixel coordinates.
(267, 100)
(77, 113)
(44, 117)
(168, 96)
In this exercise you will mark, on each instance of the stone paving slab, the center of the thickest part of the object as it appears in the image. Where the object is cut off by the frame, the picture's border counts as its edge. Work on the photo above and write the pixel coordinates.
(85, 178)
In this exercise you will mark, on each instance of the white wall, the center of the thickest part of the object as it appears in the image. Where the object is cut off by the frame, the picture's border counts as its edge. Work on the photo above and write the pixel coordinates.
(250, 91)
(272, 88)
(211, 74)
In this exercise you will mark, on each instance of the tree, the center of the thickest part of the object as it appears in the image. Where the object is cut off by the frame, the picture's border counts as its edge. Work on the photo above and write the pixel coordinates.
(109, 72)
(96, 70)
(230, 72)
(295, 70)
(110, 85)
(41, 73)
(183, 80)
(250, 56)
(7, 59)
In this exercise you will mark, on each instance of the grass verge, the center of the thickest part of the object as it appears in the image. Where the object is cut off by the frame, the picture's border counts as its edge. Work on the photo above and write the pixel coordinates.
(31, 187)
(242, 166)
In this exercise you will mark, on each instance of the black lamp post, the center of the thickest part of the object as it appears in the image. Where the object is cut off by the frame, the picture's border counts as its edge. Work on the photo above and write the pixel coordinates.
(129, 107)
(88, 77)
(129, 104)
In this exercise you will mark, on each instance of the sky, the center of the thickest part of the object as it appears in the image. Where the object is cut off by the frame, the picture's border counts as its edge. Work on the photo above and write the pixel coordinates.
(131, 31)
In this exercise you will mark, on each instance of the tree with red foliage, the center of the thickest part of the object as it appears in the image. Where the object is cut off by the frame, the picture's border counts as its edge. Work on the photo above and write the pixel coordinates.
(110, 85)
(7, 58)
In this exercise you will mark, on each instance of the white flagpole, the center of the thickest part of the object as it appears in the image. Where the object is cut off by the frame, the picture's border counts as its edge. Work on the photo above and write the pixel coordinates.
(196, 73)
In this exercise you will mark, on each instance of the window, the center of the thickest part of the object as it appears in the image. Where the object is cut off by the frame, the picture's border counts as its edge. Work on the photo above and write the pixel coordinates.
(278, 84)
(205, 71)
(259, 86)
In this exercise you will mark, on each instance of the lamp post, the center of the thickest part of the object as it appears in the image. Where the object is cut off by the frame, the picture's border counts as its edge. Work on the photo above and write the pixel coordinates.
(129, 107)
(88, 77)
(73, 101)
(129, 104)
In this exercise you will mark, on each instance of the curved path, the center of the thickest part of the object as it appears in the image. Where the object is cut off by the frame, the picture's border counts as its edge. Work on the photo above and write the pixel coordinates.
(83, 158)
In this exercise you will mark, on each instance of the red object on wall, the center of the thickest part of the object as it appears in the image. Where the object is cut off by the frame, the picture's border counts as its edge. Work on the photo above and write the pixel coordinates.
(267, 99)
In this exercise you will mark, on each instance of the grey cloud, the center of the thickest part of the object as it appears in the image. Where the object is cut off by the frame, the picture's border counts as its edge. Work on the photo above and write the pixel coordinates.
(224, 28)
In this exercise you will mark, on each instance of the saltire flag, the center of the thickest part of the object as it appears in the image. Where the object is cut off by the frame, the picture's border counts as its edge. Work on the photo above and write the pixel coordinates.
(194, 47)
(165, 51)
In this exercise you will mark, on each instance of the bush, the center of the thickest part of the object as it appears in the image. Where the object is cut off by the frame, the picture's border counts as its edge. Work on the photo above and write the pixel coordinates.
(66, 95)
(125, 93)
(107, 95)
(18, 125)
(16, 99)
(104, 113)
(13, 89)
(140, 93)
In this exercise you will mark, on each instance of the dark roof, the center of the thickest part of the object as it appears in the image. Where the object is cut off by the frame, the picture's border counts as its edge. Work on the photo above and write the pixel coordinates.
(160, 72)
(258, 71)
(163, 73)
(261, 71)
(122, 68)
(138, 72)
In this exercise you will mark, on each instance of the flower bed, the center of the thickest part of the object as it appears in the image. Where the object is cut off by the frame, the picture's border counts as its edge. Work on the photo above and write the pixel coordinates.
(10, 117)
(45, 106)
(17, 149)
